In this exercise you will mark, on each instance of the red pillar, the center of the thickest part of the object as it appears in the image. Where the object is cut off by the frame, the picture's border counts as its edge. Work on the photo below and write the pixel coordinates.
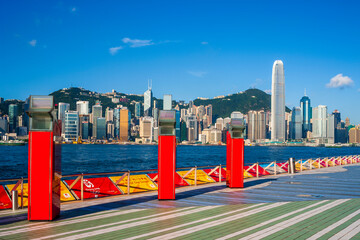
(44, 172)
(235, 162)
(166, 167)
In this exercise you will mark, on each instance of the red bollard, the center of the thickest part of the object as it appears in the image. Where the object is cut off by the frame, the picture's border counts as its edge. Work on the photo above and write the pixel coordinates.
(235, 155)
(44, 160)
(166, 155)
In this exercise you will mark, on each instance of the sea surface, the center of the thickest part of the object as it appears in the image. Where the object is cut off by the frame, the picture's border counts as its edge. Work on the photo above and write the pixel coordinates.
(113, 158)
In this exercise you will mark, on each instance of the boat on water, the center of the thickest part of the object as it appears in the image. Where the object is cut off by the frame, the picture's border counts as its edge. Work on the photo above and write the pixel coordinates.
(12, 143)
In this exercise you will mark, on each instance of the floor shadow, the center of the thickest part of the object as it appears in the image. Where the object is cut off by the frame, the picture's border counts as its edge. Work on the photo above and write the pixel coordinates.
(259, 181)
(13, 219)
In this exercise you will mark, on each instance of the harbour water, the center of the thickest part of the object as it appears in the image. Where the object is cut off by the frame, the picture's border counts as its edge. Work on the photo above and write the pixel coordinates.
(111, 158)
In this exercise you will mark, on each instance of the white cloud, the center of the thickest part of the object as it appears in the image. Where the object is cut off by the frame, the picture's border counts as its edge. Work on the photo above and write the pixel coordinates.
(204, 43)
(197, 73)
(340, 81)
(114, 50)
(73, 9)
(33, 42)
(268, 91)
(137, 42)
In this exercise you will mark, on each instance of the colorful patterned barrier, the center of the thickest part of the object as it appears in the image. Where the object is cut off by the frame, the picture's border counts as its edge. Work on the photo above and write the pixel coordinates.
(138, 183)
(94, 188)
(201, 177)
(215, 173)
(117, 185)
(179, 181)
(5, 201)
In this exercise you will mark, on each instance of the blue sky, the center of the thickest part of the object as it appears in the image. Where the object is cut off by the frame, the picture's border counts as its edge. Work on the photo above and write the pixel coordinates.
(188, 48)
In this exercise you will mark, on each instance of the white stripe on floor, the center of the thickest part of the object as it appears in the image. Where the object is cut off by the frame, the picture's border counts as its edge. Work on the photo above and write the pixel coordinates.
(348, 232)
(193, 222)
(56, 224)
(269, 221)
(125, 224)
(215, 223)
(333, 226)
(292, 221)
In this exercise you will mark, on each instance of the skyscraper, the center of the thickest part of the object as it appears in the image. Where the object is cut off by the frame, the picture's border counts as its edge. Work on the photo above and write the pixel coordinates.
(96, 113)
(82, 107)
(330, 128)
(337, 117)
(319, 118)
(148, 102)
(61, 114)
(3, 126)
(13, 120)
(137, 109)
(256, 125)
(71, 125)
(306, 113)
(109, 114)
(124, 125)
(167, 102)
(296, 123)
(101, 128)
(278, 102)
(208, 110)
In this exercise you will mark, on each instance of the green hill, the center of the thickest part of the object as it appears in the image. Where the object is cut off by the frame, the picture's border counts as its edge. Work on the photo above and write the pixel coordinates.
(74, 94)
(251, 99)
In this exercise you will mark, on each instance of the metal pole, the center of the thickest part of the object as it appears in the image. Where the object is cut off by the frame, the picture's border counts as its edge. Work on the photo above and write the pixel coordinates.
(82, 187)
(291, 166)
(301, 165)
(274, 167)
(22, 192)
(220, 174)
(257, 170)
(128, 183)
(14, 200)
(195, 176)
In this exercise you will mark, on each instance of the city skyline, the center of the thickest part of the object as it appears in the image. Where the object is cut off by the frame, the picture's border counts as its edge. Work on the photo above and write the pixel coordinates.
(54, 45)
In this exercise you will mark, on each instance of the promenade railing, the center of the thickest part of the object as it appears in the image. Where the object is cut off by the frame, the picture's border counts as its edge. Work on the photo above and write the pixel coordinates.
(123, 181)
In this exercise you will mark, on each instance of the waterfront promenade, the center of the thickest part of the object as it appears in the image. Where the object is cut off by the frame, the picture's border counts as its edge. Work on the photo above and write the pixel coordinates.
(317, 204)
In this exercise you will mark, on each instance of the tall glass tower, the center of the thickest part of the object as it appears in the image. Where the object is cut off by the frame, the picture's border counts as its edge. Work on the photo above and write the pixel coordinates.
(278, 102)
(306, 112)
(13, 114)
(148, 102)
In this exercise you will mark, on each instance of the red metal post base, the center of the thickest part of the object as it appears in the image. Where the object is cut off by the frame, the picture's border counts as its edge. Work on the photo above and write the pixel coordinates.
(166, 167)
(235, 162)
(44, 176)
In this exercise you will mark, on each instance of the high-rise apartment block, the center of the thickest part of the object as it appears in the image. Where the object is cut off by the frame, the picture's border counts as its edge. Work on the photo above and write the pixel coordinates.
(146, 129)
(319, 119)
(167, 105)
(71, 132)
(354, 135)
(62, 108)
(256, 125)
(82, 107)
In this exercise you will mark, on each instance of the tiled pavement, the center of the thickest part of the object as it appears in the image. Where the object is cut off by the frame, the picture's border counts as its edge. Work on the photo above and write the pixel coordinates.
(318, 204)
